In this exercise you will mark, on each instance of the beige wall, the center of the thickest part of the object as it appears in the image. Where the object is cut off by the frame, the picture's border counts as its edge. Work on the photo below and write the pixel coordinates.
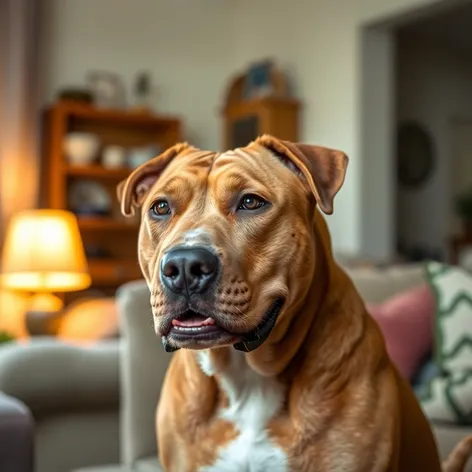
(183, 43)
(320, 44)
(193, 47)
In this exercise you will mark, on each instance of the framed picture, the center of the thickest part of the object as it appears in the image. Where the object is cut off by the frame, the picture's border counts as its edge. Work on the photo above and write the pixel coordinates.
(258, 80)
(107, 89)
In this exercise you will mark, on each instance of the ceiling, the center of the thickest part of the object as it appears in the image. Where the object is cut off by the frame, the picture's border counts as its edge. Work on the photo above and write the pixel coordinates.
(453, 27)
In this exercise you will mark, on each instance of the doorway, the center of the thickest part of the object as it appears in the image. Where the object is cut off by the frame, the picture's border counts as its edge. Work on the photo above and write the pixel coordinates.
(416, 83)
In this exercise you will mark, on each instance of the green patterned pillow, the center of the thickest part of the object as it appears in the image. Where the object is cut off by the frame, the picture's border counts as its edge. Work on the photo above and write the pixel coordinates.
(452, 287)
(448, 397)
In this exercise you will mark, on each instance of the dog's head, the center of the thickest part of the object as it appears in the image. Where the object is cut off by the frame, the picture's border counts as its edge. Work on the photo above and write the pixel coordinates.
(226, 242)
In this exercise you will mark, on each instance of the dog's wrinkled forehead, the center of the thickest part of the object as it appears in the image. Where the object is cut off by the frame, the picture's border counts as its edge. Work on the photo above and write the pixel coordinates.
(264, 152)
(322, 169)
(255, 158)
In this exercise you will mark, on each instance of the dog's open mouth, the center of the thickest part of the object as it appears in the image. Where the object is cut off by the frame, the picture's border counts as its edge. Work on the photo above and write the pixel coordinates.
(193, 324)
(197, 330)
(192, 329)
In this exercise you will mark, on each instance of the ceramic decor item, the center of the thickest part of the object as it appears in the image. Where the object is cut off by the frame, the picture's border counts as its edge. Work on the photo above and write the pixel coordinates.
(114, 157)
(89, 198)
(141, 155)
(81, 148)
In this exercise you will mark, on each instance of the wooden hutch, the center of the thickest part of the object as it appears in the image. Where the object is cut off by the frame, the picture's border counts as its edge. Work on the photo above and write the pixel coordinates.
(246, 119)
(113, 234)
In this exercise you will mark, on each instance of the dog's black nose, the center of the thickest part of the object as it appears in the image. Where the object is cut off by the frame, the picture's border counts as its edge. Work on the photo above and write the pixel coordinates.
(187, 271)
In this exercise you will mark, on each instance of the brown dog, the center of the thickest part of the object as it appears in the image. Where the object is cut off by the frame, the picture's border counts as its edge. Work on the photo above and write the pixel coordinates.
(283, 370)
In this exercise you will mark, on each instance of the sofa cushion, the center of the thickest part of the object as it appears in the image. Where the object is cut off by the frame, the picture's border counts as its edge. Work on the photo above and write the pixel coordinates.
(448, 396)
(51, 376)
(106, 468)
(150, 464)
(376, 285)
(406, 321)
(452, 287)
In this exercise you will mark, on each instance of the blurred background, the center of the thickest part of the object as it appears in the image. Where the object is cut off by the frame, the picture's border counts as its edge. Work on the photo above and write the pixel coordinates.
(91, 89)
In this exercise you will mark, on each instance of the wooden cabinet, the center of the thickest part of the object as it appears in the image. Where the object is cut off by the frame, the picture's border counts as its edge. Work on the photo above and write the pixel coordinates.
(110, 241)
(245, 120)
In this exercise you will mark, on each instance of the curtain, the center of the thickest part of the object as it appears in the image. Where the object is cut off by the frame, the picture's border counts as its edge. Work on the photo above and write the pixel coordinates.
(19, 111)
(19, 129)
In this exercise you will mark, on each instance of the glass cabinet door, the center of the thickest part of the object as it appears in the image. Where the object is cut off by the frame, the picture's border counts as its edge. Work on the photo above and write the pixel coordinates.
(244, 130)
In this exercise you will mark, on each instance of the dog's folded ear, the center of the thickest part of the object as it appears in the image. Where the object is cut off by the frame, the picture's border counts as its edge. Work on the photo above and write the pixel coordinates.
(323, 169)
(132, 191)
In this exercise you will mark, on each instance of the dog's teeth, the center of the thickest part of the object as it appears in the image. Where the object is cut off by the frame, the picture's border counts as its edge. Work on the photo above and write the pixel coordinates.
(188, 328)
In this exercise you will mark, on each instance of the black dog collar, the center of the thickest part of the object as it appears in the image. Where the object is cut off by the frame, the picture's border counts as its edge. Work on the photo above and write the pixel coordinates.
(258, 336)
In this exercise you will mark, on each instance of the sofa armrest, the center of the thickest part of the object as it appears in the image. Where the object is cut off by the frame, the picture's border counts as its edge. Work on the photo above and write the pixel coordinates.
(50, 376)
(16, 435)
(143, 366)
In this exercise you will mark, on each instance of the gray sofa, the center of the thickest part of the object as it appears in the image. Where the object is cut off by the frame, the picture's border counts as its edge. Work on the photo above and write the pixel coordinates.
(144, 363)
(72, 392)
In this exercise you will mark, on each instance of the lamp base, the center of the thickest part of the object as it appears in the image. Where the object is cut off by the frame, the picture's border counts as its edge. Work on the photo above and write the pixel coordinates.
(44, 315)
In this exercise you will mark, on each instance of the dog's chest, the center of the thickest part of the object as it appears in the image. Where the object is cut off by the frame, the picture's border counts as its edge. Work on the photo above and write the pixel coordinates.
(253, 401)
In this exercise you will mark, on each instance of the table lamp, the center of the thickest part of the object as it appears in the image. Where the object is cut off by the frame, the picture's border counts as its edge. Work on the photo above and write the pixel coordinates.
(43, 253)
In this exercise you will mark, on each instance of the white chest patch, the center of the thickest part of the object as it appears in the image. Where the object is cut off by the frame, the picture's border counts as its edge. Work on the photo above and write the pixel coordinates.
(253, 401)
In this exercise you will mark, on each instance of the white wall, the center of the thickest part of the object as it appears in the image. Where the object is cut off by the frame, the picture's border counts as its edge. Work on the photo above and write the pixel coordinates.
(377, 229)
(183, 43)
(434, 86)
(194, 46)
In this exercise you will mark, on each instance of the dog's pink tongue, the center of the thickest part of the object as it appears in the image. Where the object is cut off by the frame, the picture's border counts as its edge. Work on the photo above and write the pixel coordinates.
(194, 322)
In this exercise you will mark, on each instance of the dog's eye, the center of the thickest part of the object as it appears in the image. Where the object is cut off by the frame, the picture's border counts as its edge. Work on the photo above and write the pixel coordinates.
(251, 203)
(161, 208)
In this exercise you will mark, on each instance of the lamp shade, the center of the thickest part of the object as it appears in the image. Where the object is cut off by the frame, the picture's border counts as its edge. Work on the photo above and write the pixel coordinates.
(43, 252)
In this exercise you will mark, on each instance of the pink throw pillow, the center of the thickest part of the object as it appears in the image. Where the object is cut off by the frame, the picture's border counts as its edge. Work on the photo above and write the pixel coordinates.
(406, 321)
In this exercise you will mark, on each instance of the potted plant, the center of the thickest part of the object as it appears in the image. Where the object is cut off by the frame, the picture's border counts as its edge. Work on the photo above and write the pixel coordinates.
(143, 89)
(464, 210)
(6, 337)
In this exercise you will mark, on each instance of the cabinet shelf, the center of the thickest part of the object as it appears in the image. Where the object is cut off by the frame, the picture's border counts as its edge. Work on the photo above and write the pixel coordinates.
(97, 171)
(116, 116)
(113, 272)
(108, 235)
(105, 224)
